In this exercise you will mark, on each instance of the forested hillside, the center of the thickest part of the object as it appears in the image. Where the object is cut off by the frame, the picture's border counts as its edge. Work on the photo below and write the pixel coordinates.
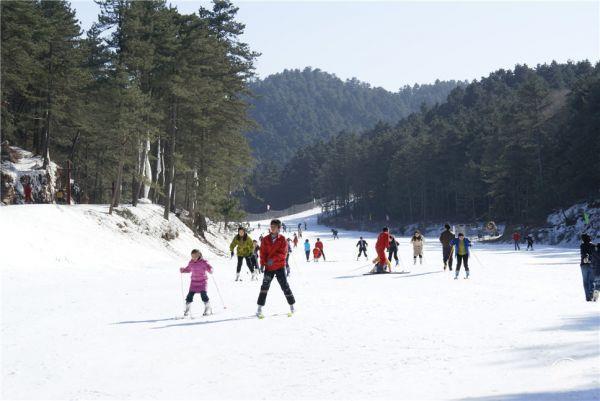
(148, 103)
(296, 108)
(511, 146)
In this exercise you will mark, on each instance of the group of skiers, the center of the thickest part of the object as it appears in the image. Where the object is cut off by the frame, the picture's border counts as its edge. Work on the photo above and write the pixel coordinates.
(517, 239)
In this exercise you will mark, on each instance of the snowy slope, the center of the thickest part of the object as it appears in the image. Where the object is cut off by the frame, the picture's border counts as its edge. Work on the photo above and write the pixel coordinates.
(87, 313)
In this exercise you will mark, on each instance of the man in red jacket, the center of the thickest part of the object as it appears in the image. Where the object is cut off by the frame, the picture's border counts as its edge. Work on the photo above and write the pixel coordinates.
(516, 239)
(383, 242)
(273, 252)
(319, 245)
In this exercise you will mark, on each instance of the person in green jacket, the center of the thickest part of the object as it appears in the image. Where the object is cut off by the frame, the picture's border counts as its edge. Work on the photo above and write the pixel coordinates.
(245, 249)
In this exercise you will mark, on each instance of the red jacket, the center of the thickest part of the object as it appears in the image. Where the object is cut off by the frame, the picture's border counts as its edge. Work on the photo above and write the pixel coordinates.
(317, 253)
(516, 236)
(319, 245)
(273, 253)
(383, 242)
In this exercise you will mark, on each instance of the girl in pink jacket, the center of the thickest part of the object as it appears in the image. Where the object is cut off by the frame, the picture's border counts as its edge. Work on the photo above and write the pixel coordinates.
(198, 267)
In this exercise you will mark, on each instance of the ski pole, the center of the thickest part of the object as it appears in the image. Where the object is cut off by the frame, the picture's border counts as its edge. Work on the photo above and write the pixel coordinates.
(182, 291)
(218, 292)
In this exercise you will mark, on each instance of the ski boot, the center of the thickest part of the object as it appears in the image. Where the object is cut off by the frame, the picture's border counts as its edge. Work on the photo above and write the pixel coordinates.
(420, 260)
(292, 311)
(596, 295)
(415, 260)
(259, 313)
(207, 309)
(467, 276)
(456, 275)
(397, 263)
(237, 277)
(254, 277)
(445, 266)
(187, 308)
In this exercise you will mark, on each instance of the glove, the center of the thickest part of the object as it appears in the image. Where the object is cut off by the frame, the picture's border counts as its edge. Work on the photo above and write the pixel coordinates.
(232, 254)
(181, 269)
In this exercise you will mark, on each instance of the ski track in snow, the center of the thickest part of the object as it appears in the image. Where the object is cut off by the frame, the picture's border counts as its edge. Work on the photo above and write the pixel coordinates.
(90, 314)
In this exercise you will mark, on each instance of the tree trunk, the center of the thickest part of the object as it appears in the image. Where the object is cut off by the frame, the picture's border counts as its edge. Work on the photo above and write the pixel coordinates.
(117, 192)
(170, 173)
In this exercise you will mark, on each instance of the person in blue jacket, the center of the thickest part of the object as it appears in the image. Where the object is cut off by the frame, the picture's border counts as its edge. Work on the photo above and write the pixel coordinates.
(461, 250)
(307, 249)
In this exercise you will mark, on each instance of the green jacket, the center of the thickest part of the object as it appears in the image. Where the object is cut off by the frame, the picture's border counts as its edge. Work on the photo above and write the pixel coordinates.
(244, 248)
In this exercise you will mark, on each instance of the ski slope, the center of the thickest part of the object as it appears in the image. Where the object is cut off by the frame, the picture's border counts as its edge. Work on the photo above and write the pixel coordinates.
(88, 313)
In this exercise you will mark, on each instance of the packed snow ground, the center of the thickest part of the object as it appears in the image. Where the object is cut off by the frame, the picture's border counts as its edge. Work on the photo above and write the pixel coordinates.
(88, 312)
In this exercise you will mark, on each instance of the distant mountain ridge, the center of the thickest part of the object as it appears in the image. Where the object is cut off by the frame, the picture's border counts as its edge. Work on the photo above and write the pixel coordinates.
(295, 108)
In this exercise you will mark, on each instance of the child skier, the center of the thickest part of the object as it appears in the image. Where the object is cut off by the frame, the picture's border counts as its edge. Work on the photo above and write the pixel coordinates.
(393, 250)
(307, 249)
(243, 242)
(295, 240)
(255, 255)
(198, 267)
(362, 248)
(287, 258)
(317, 254)
(273, 250)
(516, 238)
(461, 247)
(417, 241)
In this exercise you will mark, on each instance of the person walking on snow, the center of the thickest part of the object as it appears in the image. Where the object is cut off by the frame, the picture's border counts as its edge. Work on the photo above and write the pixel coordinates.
(393, 250)
(445, 238)
(245, 248)
(273, 251)
(461, 249)
(319, 245)
(198, 267)
(529, 239)
(362, 248)
(589, 254)
(295, 240)
(417, 241)
(383, 243)
(335, 233)
(307, 249)
(516, 238)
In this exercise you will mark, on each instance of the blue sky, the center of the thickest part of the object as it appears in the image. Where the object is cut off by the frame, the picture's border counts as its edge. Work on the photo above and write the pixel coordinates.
(391, 44)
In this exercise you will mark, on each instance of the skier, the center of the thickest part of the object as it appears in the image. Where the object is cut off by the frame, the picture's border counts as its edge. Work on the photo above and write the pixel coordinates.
(273, 250)
(516, 238)
(529, 239)
(417, 241)
(319, 245)
(259, 226)
(383, 243)
(335, 233)
(299, 226)
(256, 249)
(461, 248)
(305, 226)
(198, 267)
(245, 248)
(317, 254)
(307, 249)
(393, 250)
(362, 248)
(284, 227)
(287, 258)
(589, 255)
(445, 238)
(295, 240)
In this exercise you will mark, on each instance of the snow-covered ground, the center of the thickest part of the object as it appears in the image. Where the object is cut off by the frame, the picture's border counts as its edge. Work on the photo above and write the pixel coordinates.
(88, 313)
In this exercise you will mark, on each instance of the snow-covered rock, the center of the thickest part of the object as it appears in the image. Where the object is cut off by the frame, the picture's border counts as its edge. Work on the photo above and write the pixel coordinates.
(18, 167)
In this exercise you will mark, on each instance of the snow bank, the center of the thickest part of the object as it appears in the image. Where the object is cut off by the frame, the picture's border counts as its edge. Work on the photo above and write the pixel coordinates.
(19, 166)
(72, 236)
(566, 226)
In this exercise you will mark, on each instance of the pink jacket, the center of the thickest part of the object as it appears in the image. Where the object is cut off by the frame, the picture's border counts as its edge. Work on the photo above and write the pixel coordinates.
(199, 278)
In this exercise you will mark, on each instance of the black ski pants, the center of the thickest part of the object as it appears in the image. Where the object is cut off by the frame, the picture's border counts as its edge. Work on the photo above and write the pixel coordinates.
(459, 260)
(361, 251)
(283, 283)
(394, 253)
(447, 251)
(190, 296)
(249, 263)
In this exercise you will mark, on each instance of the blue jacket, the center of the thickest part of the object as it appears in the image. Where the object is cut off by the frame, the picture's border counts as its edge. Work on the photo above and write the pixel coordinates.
(455, 242)
(307, 247)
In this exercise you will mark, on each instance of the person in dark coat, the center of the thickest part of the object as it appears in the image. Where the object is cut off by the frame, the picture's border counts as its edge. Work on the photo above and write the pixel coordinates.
(589, 254)
(393, 249)
(446, 238)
